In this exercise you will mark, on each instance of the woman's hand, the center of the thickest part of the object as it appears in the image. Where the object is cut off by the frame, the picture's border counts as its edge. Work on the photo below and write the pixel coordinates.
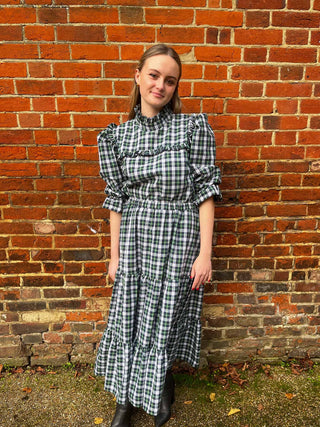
(113, 267)
(201, 271)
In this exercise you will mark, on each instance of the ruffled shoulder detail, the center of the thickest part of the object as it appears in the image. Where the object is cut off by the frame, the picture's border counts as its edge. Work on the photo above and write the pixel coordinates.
(108, 134)
(196, 121)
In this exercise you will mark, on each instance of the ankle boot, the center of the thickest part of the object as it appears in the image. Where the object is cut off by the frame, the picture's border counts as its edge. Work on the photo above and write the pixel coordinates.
(167, 400)
(122, 415)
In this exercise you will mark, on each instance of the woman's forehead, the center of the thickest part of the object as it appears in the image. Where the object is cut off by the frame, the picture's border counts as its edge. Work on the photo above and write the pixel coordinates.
(164, 64)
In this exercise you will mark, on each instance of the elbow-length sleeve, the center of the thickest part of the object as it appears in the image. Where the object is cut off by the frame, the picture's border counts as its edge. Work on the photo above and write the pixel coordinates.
(110, 169)
(205, 174)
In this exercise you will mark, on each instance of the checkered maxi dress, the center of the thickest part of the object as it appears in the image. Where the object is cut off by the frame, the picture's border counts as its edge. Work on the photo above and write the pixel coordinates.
(158, 170)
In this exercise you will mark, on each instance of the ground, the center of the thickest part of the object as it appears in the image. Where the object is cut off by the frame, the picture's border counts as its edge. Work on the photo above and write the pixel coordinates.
(261, 395)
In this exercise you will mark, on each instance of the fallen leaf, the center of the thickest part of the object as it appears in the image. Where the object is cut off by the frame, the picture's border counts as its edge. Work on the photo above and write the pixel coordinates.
(188, 402)
(233, 411)
(53, 386)
(19, 371)
(260, 407)
(27, 390)
(1, 367)
(98, 420)
(290, 396)
(212, 397)
(90, 377)
(52, 373)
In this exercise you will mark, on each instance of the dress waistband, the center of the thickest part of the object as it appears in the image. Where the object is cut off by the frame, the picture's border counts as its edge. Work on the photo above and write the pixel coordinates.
(161, 204)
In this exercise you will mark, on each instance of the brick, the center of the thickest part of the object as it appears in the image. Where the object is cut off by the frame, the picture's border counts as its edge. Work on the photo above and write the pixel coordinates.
(17, 15)
(26, 306)
(225, 36)
(52, 51)
(297, 37)
(299, 4)
(257, 19)
(234, 288)
(218, 54)
(300, 194)
(54, 360)
(257, 182)
(83, 316)
(236, 333)
(249, 107)
(11, 33)
(258, 37)
(133, 2)
(271, 287)
(76, 70)
(171, 16)
(212, 35)
(218, 299)
(255, 54)
(180, 35)
(39, 32)
(61, 293)
(35, 87)
(184, 3)
(43, 281)
(292, 55)
(219, 18)
(56, 120)
(94, 51)
(18, 51)
(6, 87)
(93, 120)
(126, 33)
(131, 15)
(94, 15)
(257, 72)
(249, 139)
(13, 69)
(32, 339)
(47, 15)
(216, 89)
(263, 4)
(80, 33)
(39, 69)
(63, 184)
(291, 73)
(295, 19)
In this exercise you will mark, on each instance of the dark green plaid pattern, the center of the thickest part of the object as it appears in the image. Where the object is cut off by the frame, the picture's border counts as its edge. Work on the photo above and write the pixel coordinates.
(157, 171)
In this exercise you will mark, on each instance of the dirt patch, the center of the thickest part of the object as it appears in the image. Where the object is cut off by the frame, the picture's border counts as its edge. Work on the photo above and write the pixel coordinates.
(271, 396)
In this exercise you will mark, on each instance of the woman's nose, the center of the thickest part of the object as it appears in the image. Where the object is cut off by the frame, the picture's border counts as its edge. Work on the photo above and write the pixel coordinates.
(160, 84)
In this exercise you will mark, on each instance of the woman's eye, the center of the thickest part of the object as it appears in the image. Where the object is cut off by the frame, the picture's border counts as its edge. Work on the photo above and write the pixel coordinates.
(171, 82)
(154, 76)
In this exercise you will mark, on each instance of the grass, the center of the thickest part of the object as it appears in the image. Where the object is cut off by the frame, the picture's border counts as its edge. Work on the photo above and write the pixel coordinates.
(70, 396)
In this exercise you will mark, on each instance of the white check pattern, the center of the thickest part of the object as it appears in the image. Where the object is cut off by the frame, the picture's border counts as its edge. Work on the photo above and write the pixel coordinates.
(157, 171)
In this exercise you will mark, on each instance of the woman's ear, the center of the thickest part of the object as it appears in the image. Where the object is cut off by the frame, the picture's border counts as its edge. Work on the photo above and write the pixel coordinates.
(137, 77)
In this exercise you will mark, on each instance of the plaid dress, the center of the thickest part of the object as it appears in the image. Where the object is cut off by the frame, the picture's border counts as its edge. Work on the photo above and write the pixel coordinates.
(158, 170)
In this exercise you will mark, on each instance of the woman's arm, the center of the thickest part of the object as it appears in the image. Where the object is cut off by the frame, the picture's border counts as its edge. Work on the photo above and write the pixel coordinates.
(201, 269)
(115, 219)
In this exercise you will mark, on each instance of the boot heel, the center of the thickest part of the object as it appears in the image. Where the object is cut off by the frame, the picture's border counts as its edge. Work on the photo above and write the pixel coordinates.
(122, 415)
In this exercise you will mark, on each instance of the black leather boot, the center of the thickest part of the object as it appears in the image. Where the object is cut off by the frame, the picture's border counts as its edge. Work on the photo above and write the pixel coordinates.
(122, 415)
(167, 400)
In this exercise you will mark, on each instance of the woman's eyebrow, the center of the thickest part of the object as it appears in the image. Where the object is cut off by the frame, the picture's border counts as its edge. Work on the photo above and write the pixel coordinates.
(170, 77)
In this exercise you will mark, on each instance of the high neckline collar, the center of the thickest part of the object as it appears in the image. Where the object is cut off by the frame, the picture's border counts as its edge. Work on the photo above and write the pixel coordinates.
(156, 121)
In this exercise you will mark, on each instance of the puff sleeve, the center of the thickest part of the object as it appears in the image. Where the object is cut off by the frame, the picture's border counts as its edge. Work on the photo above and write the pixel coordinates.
(205, 174)
(110, 169)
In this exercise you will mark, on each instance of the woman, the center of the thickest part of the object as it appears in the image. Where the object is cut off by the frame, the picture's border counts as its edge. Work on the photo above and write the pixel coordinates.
(161, 182)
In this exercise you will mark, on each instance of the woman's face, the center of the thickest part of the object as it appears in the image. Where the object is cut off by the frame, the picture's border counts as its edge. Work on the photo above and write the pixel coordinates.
(157, 80)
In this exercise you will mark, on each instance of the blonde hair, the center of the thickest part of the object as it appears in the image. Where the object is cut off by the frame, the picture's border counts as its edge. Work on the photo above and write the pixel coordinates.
(135, 97)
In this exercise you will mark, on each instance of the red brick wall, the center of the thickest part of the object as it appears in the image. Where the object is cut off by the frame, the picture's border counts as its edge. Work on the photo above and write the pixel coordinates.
(65, 73)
